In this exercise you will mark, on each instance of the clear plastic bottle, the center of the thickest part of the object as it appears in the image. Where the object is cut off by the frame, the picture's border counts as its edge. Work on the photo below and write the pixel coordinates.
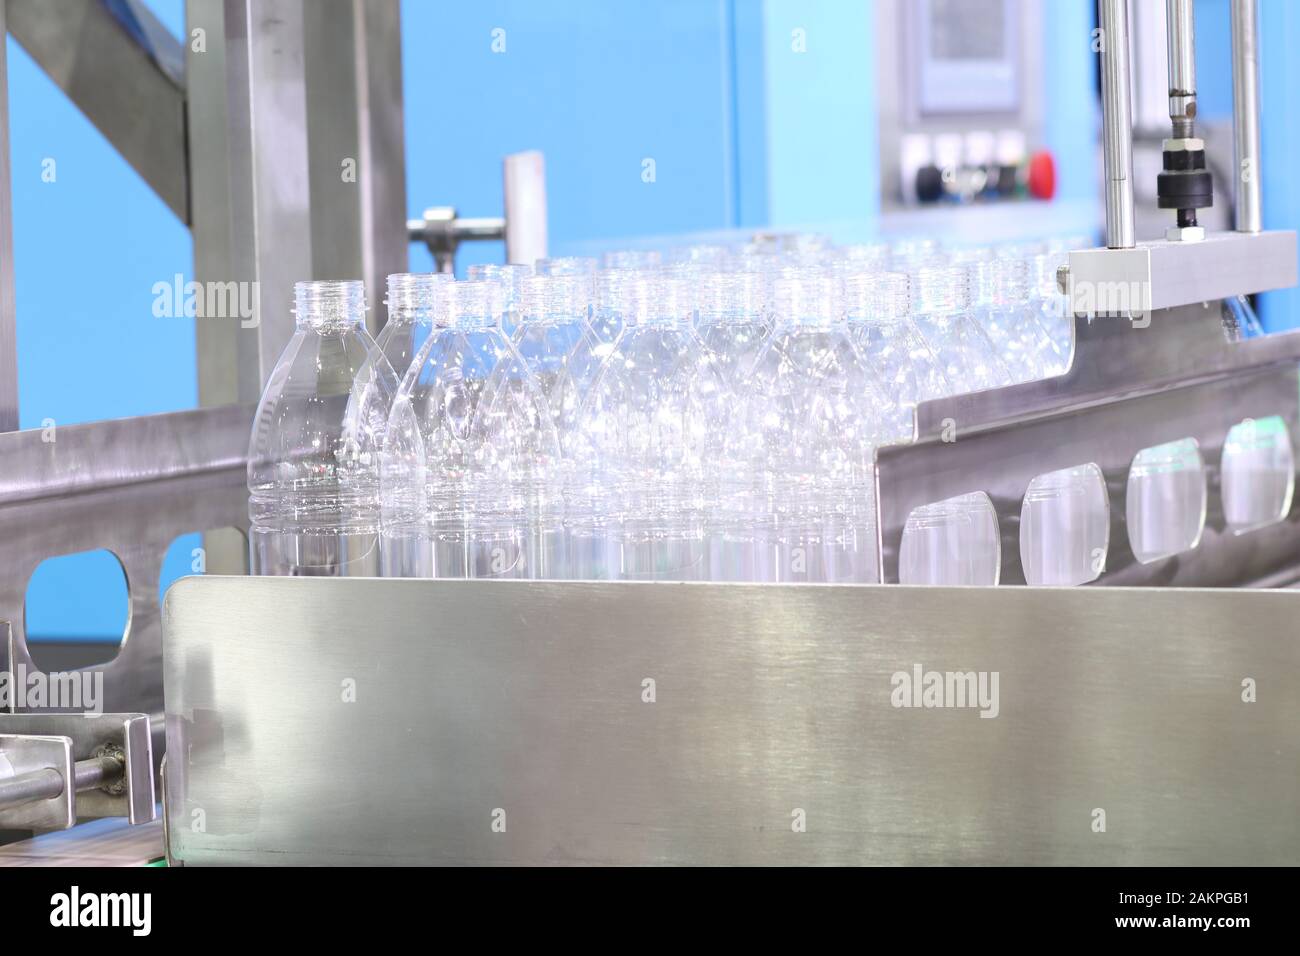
(510, 278)
(1007, 315)
(876, 307)
(412, 304)
(800, 447)
(469, 452)
(638, 501)
(941, 310)
(733, 321)
(313, 458)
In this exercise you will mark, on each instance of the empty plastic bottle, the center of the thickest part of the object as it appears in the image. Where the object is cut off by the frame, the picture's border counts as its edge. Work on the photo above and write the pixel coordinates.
(510, 278)
(733, 321)
(412, 302)
(313, 458)
(876, 307)
(1007, 315)
(798, 500)
(639, 497)
(941, 310)
(471, 454)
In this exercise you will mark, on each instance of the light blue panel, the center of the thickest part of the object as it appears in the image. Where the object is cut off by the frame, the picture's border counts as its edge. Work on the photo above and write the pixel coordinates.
(598, 85)
(178, 562)
(88, 248)
(822, 121)
(1073, 116)
(749, 123)
(1279, 34)
(1213, 60)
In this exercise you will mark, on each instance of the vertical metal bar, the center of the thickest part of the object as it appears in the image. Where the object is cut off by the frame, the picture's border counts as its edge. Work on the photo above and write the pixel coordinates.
(250, 200)
(1117, 122)
(1181, 35)
(354, 129)
(1245, 115)
(525, 207)
(8, 317)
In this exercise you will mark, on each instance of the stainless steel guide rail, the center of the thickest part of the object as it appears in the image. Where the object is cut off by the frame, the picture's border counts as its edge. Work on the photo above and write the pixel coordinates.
(513, 722)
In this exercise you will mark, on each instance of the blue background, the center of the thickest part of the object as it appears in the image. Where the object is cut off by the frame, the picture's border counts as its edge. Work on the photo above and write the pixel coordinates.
(743, 132)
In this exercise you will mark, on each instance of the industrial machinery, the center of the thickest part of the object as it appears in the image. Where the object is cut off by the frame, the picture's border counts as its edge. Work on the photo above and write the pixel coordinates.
(345, 721)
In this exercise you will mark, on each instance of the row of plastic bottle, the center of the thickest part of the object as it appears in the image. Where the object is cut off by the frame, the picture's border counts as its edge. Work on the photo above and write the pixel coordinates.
(711, 414)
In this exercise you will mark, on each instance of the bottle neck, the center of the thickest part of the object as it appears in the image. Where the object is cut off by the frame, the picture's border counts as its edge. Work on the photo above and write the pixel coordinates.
(554, 299)
(329, 306)
(472, 305)
(810, 300)
(939, 291)
(413, 297)
(731, 297)
(882, 297)
(1000, 282)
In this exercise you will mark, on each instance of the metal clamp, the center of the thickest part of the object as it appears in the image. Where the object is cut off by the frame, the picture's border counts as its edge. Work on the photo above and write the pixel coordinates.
(523, 227)
(107, 757)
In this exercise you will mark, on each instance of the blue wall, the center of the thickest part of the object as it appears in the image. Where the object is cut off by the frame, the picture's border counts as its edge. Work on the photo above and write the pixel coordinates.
(600, 86)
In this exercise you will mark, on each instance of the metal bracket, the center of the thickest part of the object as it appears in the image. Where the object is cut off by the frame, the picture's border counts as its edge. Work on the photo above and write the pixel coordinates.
(1164, 275)
(523, 227)
(108, 758)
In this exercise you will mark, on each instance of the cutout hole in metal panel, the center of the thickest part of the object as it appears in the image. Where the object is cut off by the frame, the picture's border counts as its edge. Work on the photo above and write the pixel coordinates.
(1165, 506)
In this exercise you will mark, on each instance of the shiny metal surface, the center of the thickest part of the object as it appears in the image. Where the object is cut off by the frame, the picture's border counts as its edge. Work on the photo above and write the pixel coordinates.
(38, 758)
(123, 70)
(1180, 27)
(1245, 116)
(353, 76)
(125, 738)
(251, 194)
(8, 320)
(1129, 387)
(131, 486)
(1162, 275)
(525, 705)
(525, 202)
(1117, 121)
(296, 147)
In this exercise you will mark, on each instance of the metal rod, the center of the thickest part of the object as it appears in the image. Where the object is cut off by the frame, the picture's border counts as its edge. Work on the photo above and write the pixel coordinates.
(1117, 122)
(47, 783)
(1181, 35)
(30, 787)
(1245, 115)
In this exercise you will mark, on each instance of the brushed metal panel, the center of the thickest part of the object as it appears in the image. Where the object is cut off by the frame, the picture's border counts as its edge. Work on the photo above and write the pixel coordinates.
(474, 696)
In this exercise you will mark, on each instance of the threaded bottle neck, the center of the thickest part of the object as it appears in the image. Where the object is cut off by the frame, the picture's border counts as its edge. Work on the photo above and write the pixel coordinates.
(1000, 281)
(566, 266)
(649, 300)
(882, 296)
(811, 299)
(473, 304)
(554, 298)
(329, 305)
(731, 297)
(940, 291)
(413, 296)
(508, 275)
